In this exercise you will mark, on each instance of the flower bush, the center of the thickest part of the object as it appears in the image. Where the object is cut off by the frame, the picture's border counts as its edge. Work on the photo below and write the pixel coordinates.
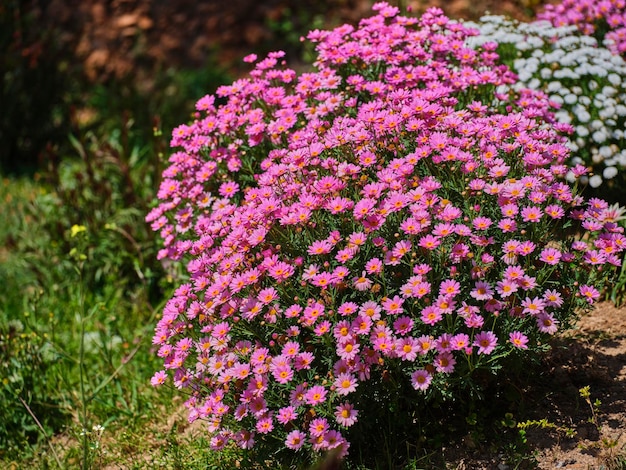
(605, 19)
(583, 79)
(368, 236)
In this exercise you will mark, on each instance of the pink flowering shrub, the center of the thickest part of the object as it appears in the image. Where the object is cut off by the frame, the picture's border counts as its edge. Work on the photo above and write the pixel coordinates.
(605, 19)
(366, 237)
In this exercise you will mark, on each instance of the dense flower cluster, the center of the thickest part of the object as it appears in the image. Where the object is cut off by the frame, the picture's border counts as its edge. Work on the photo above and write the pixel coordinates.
(606, 19)
(585, 80)
(388, 215)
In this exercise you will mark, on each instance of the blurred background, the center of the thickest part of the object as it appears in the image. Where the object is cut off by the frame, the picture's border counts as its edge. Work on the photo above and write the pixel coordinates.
(69, 66)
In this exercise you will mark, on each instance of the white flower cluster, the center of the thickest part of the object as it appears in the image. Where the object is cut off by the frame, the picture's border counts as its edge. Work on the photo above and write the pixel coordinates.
(585, 80)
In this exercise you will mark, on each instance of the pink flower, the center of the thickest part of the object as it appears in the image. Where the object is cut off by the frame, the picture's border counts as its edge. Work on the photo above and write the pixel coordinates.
(159, 378)
(303, 361)
(533, 306)
(553, 298)
(403, 325)
(371, 310)
(346, 415)
(531, 214)
(348, 349)
(459, 342)
(482, 223)
(315, 395)
(420, 379)
(318, 427)
(431, 315)
(590, 293)
(486, 342)
(547, 323)
(482, 291)
(286, 414)
(362, 283)
(429, 242)
(444, 362)
(283, 374)
(407, 349)
(550, 256)
(393, 306)
(374, 266)
(295, 440)
(506, 288)
(518, 339)
(265, 425)
(449, 287)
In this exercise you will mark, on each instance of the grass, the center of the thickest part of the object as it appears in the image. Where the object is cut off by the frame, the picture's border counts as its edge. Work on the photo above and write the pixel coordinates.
(79, 354)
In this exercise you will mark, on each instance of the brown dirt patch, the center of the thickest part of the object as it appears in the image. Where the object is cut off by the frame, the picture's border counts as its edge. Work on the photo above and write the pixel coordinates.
(577, 434)
(594, 356)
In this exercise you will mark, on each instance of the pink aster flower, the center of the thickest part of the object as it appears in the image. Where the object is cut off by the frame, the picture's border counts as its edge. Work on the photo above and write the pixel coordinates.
(283, 374)
(346, 415)
(403, 325)
(348, 349)
(318, 427)
(595, 257)
(553, 298)
(486, 342)
(393, 306)
(315, 395)
(303, 361)
(482, 291)
(407, 348)
(506, 287)
(547, 323)
(295, 440)
(430, 242)
(518, 339)
(420, 379)
(322, 328)
(590, 293)
(286, 414)
(482, 223)
(459, 342)
(444, 362)
(265, 425)
(159, 378)
(550, 256)
(371, 310)
(290, 349)
(450, 287)
(431, 315)
(362, 283)
(533, 306)
(374, 266)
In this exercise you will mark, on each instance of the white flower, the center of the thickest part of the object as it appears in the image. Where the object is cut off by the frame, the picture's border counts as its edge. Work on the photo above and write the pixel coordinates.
(557, 99)
(614, 79)
(609, 91)
(570, 98)
(545, 73)
(596, 124)
(605, 151)
(583, 116)
(609, 172)
(599, 136)
(595, 181)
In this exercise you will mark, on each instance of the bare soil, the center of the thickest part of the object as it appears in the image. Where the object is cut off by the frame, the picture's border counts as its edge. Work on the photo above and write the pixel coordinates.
(133, 38)
(576, 434)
